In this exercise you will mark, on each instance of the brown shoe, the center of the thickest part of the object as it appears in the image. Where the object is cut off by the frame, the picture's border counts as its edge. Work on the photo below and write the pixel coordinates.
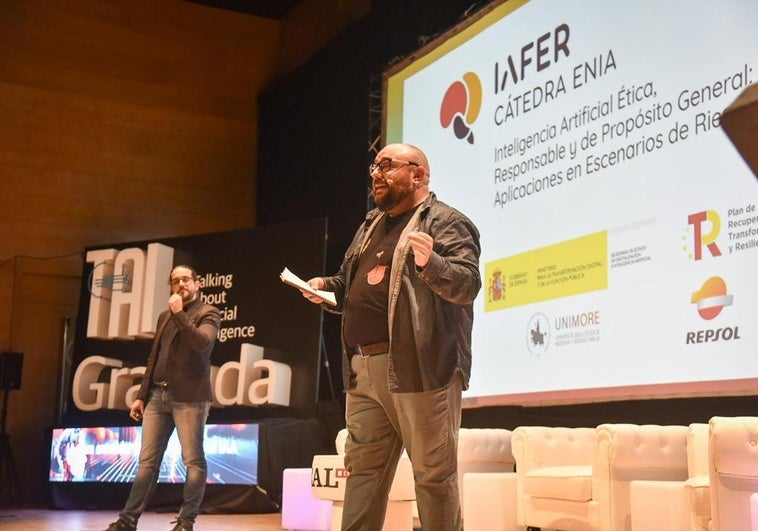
(182, 525)
(120, 525)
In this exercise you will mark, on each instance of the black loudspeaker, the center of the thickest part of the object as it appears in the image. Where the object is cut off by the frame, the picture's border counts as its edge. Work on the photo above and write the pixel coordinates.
(11, 366)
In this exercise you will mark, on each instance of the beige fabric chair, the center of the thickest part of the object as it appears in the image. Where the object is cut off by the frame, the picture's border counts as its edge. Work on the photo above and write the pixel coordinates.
(579, 478)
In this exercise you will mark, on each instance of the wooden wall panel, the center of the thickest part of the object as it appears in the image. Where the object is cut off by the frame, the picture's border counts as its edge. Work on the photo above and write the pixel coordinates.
(122, 120)
(300, 34)
(139, 115)
(46, 292)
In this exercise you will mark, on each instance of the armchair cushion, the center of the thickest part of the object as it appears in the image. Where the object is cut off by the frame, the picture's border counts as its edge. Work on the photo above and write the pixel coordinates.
(572, 483)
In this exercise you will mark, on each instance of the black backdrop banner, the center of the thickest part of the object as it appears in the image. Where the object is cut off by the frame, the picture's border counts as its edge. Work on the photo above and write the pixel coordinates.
(266, 358)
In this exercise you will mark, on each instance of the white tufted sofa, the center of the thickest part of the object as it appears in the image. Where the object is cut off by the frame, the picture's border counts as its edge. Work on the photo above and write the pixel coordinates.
(480, 450)
(579, 478)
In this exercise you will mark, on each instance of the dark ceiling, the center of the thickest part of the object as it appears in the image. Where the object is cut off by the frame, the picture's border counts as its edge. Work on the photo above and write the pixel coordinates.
(263, 8)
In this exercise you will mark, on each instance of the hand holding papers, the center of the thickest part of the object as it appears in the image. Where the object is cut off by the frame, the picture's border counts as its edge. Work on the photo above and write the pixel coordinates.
(288, 277)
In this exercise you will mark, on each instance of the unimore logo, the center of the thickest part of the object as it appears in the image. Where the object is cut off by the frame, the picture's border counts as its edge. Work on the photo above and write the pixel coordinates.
(538, 334)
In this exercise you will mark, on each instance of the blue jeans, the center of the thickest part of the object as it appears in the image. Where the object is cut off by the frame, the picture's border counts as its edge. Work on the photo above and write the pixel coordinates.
(162, 414)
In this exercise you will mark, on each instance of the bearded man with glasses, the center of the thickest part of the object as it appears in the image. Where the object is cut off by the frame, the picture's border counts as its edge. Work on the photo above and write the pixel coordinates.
(175, 392)
(405, 290)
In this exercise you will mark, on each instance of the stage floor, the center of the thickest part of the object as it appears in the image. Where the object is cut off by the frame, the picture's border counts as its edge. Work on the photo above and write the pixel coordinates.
(62, 520)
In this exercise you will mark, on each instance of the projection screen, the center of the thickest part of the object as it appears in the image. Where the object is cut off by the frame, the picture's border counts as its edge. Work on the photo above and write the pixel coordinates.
(618, 224)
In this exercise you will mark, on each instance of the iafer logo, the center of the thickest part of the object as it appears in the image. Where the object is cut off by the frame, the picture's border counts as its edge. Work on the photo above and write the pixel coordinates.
(461, 105)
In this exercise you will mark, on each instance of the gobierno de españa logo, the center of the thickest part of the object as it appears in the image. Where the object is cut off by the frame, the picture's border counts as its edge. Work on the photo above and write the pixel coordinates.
(461, 105)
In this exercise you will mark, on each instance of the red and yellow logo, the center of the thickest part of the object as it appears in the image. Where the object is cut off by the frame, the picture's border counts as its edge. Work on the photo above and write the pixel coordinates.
(711, 298)
(461, 105)
(496, 286)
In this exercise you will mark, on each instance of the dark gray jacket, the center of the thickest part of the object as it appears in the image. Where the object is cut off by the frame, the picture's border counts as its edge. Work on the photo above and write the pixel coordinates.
(189, 363)
(430, 312)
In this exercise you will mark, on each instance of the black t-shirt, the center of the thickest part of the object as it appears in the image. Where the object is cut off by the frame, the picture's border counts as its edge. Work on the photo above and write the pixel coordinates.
(367, 302)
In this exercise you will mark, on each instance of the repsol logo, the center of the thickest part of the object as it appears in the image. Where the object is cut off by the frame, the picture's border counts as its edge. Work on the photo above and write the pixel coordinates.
(710, 335)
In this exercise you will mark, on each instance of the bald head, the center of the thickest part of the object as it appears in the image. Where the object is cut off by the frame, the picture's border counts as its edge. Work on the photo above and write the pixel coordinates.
(403, 184)
(410, 153)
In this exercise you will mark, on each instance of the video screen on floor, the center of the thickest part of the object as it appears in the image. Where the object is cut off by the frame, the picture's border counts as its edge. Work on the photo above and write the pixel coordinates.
(110, 454)
(619, 224)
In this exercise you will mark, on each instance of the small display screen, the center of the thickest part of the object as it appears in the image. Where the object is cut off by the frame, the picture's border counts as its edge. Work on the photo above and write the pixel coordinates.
(110, 454)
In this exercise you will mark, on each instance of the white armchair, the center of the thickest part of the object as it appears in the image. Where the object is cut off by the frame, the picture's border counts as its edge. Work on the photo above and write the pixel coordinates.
(579, 478)
(664, 504)
(733, 471)
(486, 467)
(483, 450)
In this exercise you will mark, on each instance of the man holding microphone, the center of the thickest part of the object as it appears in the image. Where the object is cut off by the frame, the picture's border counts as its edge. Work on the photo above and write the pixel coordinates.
(175, 393)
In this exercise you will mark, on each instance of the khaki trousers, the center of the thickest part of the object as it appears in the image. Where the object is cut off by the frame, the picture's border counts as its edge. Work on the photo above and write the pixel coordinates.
(380, 424)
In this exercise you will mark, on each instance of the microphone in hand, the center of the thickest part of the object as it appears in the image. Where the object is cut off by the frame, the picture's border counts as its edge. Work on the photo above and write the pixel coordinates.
(175, 303)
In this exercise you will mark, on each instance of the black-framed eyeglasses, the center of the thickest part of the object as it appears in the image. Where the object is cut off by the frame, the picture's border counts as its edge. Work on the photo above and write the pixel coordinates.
(385, 165)
(178, 280)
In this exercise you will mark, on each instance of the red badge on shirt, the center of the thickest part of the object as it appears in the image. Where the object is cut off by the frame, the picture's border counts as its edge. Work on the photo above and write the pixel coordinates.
(376, 275)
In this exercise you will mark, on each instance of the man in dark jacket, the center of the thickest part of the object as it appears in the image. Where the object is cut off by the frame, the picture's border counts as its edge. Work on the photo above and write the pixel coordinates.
(175, 392)
(405, 291)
